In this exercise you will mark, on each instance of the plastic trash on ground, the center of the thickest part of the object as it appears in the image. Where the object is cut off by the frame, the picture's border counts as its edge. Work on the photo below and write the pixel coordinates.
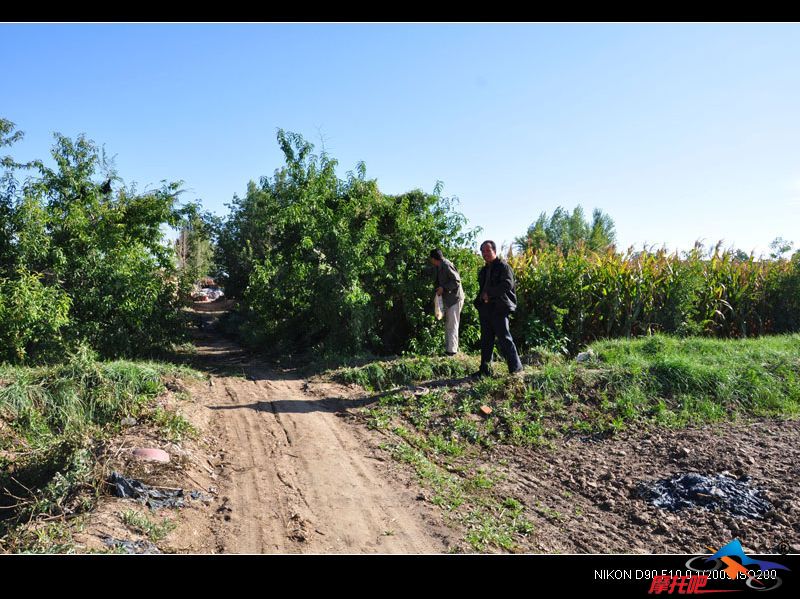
(438, 307)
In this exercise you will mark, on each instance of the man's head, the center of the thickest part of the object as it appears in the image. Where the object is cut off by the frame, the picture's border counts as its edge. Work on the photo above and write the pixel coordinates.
(436, 257)
(488, 251)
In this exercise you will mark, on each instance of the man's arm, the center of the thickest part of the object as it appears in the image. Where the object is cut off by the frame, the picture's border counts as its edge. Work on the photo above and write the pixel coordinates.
(451, 279)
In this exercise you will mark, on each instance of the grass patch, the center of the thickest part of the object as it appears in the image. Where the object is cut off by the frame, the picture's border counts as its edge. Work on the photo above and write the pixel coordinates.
(171, 424)
(78, 396)
(54, 421)
(679, 381)
(140, 523)
(655, 381)
(658, 380)
(489, 521)
(43, 537)
(388, 374)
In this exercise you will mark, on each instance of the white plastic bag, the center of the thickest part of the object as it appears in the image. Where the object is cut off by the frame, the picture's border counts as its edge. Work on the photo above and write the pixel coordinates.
(438, 307)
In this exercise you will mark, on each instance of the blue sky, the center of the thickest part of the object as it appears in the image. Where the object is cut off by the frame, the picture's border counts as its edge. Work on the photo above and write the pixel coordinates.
(678, 131)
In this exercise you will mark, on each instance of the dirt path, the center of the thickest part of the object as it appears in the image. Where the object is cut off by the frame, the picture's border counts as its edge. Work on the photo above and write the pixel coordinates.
(287, 465)
(293, 477)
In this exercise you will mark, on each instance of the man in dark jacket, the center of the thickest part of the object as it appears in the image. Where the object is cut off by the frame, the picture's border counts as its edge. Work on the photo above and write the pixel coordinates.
(496, 300)
(448, 285)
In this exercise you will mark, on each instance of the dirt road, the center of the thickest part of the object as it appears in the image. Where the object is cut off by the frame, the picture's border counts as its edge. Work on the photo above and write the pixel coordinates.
(293, 476)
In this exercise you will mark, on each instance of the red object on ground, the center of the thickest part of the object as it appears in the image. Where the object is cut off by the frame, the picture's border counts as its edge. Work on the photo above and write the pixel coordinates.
(152, 454)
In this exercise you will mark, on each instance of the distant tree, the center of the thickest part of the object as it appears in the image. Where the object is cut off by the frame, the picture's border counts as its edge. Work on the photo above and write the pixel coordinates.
(194, 247)
(779, 247)
(566, 231)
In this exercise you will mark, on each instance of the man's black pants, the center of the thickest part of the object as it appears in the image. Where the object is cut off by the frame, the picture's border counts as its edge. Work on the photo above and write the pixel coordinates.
(494, 323)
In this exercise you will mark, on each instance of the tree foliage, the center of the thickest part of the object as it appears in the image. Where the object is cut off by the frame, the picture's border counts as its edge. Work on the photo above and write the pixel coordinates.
(332, 263)
(194, 246)
(73, 235)
(566, 231)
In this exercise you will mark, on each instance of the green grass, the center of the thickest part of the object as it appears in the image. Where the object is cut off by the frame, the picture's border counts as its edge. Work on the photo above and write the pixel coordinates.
(550, 513)
(76, 397)
(489, 521)
(53, 423)
(140, 523)
(47, 537)
(172, 425)
(655, 381)
(383, 375)
(695, 380)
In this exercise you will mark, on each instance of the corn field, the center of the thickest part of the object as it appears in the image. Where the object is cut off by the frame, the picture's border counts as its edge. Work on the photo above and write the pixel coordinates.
(569, 299)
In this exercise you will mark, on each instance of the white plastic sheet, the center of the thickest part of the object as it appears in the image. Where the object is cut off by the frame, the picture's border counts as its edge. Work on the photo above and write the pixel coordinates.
(438, 307)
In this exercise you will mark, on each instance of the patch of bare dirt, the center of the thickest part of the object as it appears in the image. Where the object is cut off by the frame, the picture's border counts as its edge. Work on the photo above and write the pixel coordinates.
(190, 469)
(584, 496)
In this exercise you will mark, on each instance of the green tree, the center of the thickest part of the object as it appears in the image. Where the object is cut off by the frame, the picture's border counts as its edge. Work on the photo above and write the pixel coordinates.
(72, 232)
(194, 246)
(566, 231)
(779, 247)
(333, 263)
(32, 316)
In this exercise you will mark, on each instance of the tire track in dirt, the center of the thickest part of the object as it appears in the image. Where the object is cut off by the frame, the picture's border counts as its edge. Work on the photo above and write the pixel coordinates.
(295, 478)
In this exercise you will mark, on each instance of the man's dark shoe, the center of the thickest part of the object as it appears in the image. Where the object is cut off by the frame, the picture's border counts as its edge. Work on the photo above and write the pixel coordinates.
(480, 374)
(450, 353)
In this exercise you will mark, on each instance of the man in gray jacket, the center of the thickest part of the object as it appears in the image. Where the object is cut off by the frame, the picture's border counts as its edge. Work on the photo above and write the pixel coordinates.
(448, 285)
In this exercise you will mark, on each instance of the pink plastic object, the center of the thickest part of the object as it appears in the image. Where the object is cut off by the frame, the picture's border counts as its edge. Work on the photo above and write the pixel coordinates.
(152, 454)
